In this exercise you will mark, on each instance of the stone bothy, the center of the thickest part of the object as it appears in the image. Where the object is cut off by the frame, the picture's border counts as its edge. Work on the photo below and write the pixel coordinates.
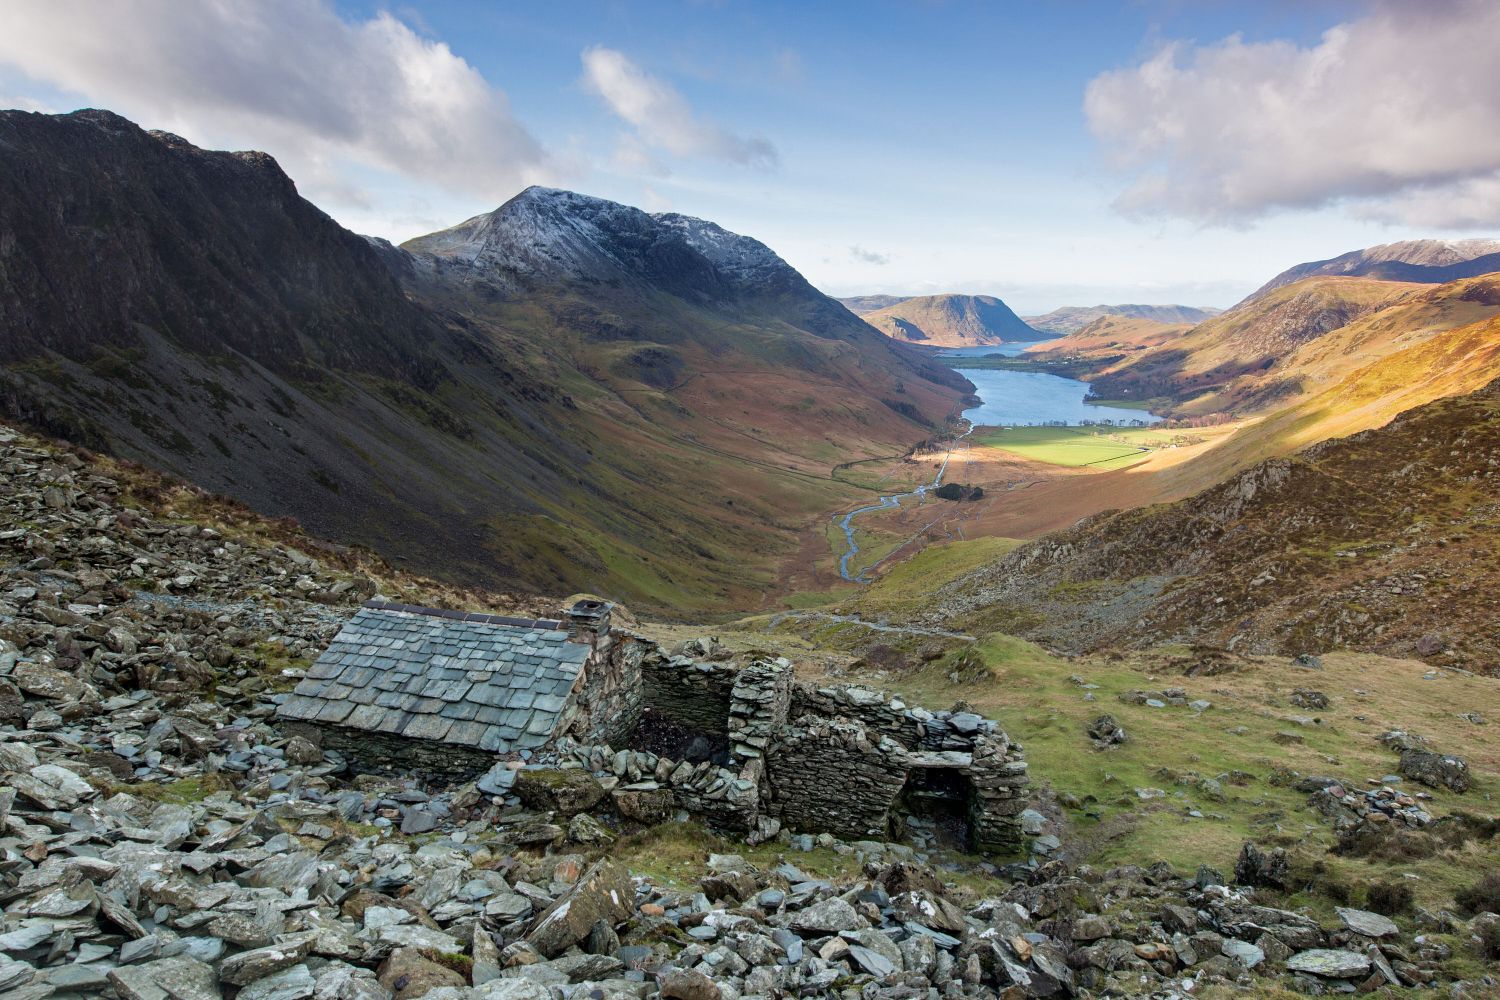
(456, 694)
(448, 690)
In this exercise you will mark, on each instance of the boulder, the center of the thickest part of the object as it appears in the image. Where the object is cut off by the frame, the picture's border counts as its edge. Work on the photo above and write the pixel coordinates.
(1260, 868)
(1332, 963)
(688, 984)
(49, 682)
(604, 892)
(829, 916)
(1436, 770)
(1106, 732)
(1371, 925)
(176, 978)
(645, 805)
(408, 975)
(561, 790)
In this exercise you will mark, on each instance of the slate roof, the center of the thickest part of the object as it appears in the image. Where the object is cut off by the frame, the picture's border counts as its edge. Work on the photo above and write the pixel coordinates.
(418, 673)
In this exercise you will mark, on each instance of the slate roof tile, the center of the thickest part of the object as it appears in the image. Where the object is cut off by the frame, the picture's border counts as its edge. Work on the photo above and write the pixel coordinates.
(497, 684)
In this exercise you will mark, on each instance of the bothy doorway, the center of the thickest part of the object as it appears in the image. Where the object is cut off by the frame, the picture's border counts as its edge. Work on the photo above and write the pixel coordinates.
(936, 805)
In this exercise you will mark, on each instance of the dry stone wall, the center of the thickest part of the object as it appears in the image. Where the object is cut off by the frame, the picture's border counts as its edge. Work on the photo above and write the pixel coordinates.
(726, 799)
(613, 695)
(842, 765)
(389, 753)
(999, 775)
(689, 692)
(758, 706)
(837, 776)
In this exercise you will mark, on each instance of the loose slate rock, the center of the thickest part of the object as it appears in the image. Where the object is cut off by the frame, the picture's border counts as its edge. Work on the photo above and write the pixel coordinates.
(1371, 925)
(179, 978)
(1332, 963)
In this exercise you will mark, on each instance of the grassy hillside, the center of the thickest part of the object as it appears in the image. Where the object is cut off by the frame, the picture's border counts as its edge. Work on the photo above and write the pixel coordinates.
(1385, 541)
(1190, 371)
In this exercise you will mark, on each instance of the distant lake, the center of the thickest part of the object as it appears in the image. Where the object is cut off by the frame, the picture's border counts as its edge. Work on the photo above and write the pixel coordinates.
(1025, 398)
(1004, 350)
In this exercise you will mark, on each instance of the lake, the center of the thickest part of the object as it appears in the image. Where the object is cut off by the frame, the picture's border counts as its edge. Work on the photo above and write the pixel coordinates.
(1024, 398)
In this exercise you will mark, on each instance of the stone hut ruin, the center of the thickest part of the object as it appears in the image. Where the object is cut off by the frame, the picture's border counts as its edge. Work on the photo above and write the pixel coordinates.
(748, 748)
(445, 691)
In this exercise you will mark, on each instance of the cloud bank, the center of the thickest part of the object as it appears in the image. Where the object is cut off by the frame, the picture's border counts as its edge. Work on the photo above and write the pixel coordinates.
(662, 118)
(290, 76)
(1396, 115)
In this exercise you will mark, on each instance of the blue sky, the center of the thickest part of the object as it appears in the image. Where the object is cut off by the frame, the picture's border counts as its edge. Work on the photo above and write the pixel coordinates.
(1050, 153)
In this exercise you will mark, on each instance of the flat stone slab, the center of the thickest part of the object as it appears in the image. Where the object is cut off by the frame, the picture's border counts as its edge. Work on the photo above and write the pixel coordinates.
(1369, 924)
(1334, 963)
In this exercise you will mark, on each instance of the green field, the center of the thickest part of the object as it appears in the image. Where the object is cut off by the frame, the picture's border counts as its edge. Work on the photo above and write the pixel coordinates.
(1071, 446)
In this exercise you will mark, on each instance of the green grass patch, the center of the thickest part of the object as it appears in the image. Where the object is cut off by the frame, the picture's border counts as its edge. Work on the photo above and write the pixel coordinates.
(1075, 447)
(907, 586)
(184, 791)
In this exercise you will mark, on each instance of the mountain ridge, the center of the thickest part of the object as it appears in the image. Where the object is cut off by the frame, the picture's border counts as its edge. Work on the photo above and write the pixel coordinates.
(1071, 319)
(1423, 261)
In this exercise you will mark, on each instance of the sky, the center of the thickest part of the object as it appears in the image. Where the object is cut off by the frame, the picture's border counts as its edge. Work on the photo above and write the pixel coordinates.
(1051, 153)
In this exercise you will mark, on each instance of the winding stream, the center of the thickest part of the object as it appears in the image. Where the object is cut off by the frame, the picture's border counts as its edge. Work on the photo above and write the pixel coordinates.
(886, 503)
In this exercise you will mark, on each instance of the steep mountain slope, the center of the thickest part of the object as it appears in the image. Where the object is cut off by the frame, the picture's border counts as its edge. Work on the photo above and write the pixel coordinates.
(557, 394)
(1427, 261)
(1254, 337)
(1294, 341)
(1109, 338)
(1384, 541)
(861, 304)
(1071, 319)
(952, 321)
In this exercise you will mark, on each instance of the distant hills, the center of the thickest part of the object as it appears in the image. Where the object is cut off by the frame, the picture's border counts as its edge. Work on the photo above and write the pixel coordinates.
(562, 395)
(950, 321)
(1309, 325)
(1071, 319)
(859, 305)
(1424, 261)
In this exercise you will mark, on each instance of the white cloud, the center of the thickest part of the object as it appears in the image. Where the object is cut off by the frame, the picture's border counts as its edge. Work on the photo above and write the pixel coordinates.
(26, 104)
(863, 256)
(288, 76)
(662, 117)
(1396, 114)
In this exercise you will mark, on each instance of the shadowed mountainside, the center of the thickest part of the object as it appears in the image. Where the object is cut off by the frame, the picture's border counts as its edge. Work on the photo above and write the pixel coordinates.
(555, 394)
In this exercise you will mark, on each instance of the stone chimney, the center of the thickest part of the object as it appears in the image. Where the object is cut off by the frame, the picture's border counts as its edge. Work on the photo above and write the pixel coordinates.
(588, 622)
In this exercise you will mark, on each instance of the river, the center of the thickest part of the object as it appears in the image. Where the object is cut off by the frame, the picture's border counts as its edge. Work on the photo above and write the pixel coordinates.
(1007, 399)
